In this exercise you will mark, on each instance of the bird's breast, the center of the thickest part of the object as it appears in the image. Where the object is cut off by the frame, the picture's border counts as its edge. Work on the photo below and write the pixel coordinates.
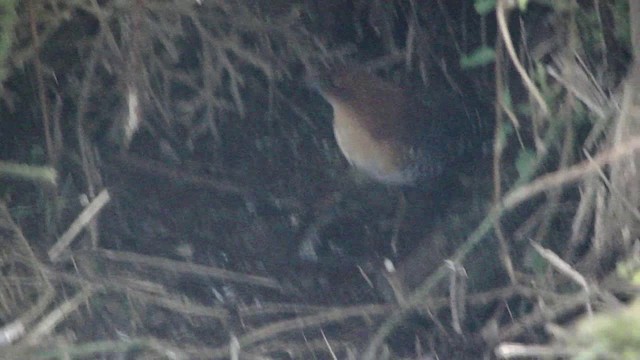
(382, 158)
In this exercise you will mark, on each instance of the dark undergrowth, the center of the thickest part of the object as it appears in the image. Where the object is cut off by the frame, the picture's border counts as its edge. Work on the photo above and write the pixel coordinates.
(171, 187)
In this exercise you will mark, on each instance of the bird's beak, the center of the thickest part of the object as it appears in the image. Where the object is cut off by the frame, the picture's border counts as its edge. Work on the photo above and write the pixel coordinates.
(317, 80)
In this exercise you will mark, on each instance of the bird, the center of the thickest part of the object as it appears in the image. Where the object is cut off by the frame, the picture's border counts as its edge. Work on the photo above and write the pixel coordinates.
(383, 130)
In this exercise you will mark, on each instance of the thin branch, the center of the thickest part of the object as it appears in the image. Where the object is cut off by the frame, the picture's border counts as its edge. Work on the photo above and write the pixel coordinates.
(506, 36)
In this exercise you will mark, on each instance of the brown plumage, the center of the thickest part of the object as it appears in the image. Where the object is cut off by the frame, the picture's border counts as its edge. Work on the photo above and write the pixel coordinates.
(382, 130)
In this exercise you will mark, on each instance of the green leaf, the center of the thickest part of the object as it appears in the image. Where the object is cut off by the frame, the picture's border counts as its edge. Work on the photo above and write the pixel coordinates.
(481, 56)
(507, 100)
(524, 162)
(536, 263)
(503, 135)
(483, 7)
(522, 5)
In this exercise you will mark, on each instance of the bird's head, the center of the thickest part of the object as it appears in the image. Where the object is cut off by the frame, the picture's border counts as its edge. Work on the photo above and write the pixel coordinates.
(344, 83)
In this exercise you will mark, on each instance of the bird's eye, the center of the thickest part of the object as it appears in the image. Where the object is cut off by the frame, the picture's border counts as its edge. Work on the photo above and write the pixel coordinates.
(337, 82)
(341, 83)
